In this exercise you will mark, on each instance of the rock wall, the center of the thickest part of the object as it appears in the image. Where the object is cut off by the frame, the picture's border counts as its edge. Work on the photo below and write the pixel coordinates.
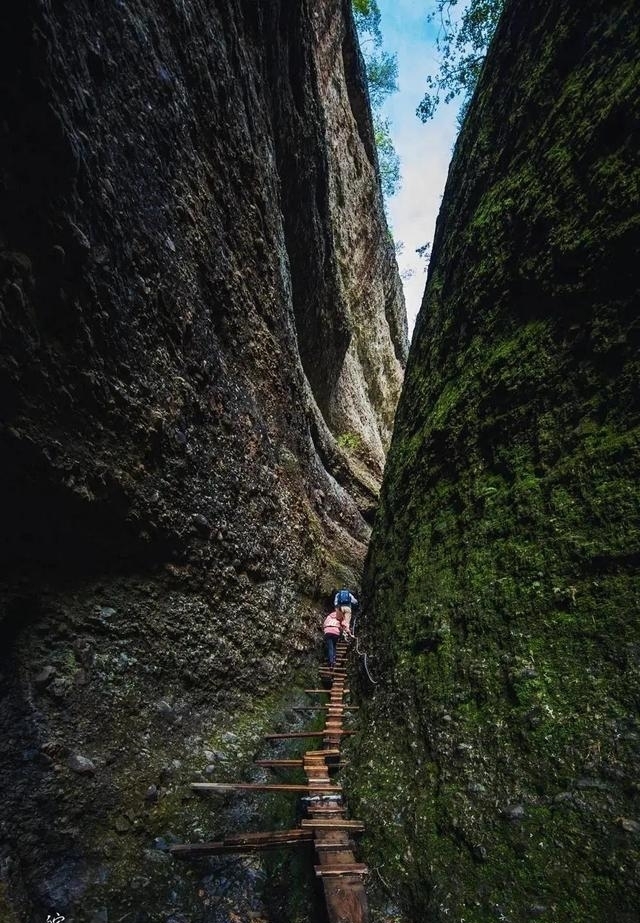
(499, 777)
(203, 337)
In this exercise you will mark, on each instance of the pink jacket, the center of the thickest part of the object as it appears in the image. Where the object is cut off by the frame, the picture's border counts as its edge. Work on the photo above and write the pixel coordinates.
(332, 624)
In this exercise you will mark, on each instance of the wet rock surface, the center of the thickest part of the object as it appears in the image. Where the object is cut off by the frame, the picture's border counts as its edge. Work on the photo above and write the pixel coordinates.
(503, 572)
(192, 418)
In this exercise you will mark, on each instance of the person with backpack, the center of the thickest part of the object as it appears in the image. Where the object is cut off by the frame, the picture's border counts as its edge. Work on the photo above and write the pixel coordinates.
(332, 626)
(343, 601)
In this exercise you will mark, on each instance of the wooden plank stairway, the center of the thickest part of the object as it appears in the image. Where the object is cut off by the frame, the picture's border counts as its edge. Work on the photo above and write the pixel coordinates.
(326, 826)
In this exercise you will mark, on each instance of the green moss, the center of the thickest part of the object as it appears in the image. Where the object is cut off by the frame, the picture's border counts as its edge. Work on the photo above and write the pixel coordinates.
(503, 567)
(349, 442)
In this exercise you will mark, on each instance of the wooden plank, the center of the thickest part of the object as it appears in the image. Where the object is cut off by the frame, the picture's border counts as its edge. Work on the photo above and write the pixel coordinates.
(326, 691)
(346, 899)
(297, 734)
(330, 847)
(293, 734)
(314, 809)
(328, 824)
(244, 843)
(353, 868)
(330, 707)
(260, 835)
(253, 787)
(274, 763)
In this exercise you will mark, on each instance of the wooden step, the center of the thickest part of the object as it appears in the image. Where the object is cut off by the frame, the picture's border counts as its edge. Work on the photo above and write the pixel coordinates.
(254, 787)
(331, 824)
(294, 734)
(327, 691)
(322, 709)
(275, 763)
(353, 868)
(322, 810)
(297, 734)
(347, 843)
(245, 842)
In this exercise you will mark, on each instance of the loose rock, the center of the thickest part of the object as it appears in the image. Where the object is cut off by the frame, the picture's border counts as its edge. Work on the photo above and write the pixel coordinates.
(81, 764)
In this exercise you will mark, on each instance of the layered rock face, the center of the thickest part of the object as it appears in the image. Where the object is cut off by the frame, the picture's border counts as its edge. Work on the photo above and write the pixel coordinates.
(503, 754)
(203, 337)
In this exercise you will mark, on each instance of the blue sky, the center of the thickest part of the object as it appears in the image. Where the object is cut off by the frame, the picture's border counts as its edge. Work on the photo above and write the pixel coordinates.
(424, 149)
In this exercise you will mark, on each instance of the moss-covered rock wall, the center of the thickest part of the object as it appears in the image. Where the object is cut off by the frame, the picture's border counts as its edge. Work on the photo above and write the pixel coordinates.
(500, 775)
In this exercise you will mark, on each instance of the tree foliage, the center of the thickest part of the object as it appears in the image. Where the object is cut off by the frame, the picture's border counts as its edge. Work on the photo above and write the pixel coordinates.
(387, 157)
(367, 17)
(382, 77)
(462, 44)
(424, 252)
(382, 80)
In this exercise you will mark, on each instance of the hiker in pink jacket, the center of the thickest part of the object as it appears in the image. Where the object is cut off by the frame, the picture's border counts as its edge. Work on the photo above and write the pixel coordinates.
(332, 627)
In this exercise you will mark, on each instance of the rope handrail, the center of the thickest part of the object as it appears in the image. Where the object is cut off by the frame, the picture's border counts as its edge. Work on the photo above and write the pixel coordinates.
(362, 654)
